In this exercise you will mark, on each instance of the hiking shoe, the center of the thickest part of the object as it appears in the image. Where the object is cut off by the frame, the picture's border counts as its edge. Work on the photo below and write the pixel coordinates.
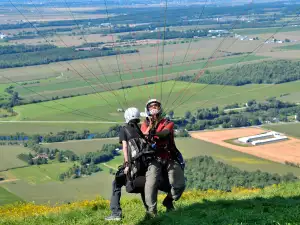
(168, 203)
(113, 217)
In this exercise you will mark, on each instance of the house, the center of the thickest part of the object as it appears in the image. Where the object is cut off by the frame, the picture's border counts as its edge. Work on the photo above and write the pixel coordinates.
(2, 36)
(41, 156)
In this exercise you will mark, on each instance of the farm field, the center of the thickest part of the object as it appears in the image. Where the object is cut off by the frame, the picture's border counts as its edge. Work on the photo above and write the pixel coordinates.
(278, 152)
(69, 84)
(289, 129)
(94, 105)
(173, 54)
(42, 173)
(250, 31)
(8, 156)
(7, 197)
(8, 128)
(293, 97)
(81, 147)
(291, 47)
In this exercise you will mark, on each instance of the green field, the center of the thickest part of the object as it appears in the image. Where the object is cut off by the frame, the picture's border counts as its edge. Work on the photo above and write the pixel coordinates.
(7, 197)
(206, 96)
(41, 173)
(70, 190)
(291, 47)
(293, 97)
(45, 128)
(289, 129)
(53, 86)
(265, 30)
(8, 156)
(82, 146)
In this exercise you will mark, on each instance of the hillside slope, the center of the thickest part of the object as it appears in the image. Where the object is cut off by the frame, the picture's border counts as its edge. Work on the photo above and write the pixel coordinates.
(277, 204)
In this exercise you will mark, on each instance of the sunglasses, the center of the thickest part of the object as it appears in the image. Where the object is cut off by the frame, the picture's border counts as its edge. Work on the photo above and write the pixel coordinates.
(154, 105)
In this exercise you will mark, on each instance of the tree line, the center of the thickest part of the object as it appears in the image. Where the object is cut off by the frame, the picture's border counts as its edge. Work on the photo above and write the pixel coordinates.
(267, 72)
(205, 173)
(167, 35)
(88, 162)
(256, 113)
(47, 56)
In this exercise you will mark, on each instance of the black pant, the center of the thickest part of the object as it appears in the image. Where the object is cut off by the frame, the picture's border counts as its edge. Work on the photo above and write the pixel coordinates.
(115, 206)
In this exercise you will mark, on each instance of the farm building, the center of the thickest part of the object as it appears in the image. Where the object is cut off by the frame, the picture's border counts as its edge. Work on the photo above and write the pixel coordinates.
(264, 138)
(258, 137)
(270, 140)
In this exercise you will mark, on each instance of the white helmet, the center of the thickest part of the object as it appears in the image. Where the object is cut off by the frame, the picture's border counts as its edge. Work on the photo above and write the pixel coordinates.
(150, 113)
(131, 114)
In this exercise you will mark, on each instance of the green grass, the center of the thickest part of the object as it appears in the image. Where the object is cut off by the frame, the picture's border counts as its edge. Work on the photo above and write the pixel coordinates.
(38, 174)
(7, 197)
(82, 146)
(293, 97)
(289, 129)
(291, 47)
(232, 141)
(52, 85)
(196, 95)
(45, 128)
(271, 205)
(8, 156)
(69, 190)
(253, 31)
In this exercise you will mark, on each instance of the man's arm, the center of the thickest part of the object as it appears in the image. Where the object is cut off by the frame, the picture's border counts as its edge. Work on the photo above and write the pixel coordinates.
(125, 152)
(168, 129)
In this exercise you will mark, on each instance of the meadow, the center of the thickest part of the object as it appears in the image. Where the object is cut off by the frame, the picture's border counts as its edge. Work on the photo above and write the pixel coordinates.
(81, 147)
(274, 204)
(251, 31)
(8, 156)
(180, 99)
(292, 129)
(58, 87)
(7, 197)
(30, 128)
(291, 47)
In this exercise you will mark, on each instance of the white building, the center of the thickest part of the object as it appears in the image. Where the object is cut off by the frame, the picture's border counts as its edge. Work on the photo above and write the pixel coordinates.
(263, 138)
(2, 36)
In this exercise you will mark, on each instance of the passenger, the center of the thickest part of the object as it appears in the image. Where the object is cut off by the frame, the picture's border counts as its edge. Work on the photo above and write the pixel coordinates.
(161, 130)
(132, 118)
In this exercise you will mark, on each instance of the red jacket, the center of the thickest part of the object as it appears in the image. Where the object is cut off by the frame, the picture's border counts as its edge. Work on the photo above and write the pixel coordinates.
(162, 142)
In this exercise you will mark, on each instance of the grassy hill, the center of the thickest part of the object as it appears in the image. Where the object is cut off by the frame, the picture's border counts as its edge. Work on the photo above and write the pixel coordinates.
(277, 204)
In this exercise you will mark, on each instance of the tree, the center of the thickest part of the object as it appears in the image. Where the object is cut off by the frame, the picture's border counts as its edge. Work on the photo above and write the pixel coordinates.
(298, 116)
(187, 114)
(171, 114)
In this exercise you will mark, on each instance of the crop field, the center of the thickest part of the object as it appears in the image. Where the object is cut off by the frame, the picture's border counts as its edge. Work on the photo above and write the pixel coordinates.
(42, 173)
(8, 156)
(292, 129)
(88, 188)
(81, 147)
(293, 97)
(8, 128)
(291, 47)
(101, 83)
(278, 152)
(252, 31)
(173, 54)
(95, 106)
(7, 197)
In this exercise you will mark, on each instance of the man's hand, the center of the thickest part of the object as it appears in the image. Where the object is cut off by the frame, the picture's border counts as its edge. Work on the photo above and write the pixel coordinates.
(126, 169)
